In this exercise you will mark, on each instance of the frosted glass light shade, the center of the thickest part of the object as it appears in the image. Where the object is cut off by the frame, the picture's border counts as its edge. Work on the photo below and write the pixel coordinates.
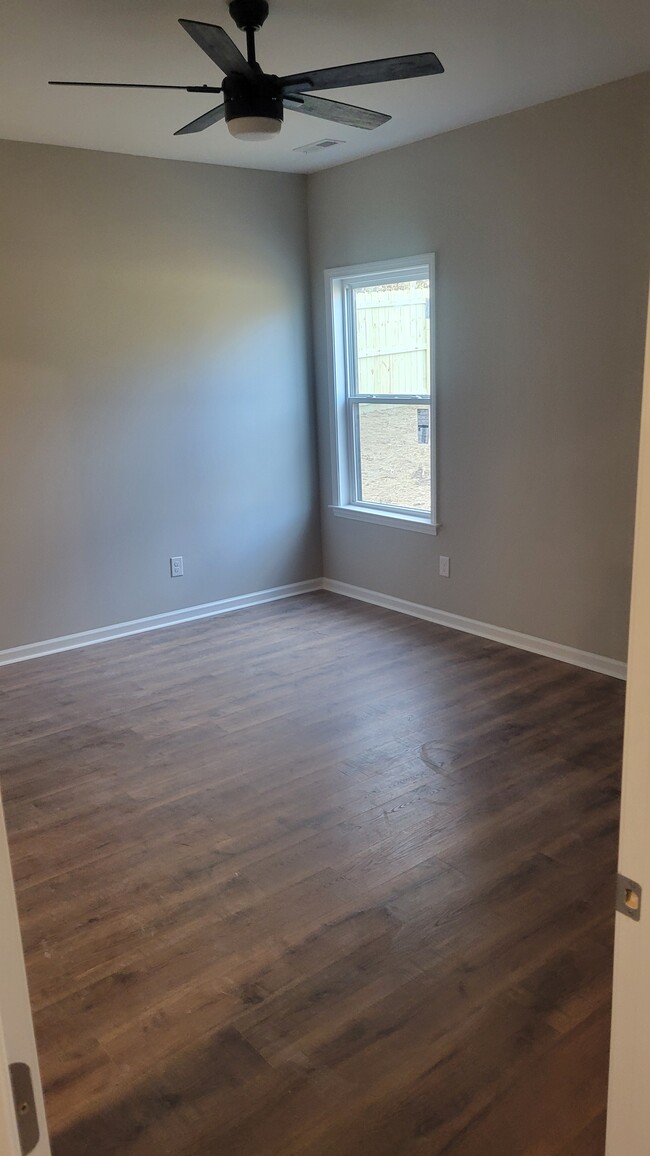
(254, 127)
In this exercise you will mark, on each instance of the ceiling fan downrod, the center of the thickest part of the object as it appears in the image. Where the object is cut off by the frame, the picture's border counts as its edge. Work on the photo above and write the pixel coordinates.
(249, 16)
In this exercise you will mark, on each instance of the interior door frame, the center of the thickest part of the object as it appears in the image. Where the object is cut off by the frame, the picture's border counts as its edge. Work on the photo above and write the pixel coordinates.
(17, 1041)
(9, 1141)
(628, 1115)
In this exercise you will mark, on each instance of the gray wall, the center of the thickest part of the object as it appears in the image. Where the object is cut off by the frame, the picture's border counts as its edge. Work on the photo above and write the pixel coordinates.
(155, 393)
(155, 373)
(540, 224)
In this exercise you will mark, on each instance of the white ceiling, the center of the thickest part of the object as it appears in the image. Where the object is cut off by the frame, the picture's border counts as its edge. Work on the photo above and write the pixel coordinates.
(499, 55)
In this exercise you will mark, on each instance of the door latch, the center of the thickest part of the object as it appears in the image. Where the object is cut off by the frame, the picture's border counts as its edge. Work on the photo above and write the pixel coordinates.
(25, 1107)
(628, 897)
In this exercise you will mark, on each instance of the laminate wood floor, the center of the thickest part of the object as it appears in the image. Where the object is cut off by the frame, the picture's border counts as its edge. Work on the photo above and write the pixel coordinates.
(316, 879)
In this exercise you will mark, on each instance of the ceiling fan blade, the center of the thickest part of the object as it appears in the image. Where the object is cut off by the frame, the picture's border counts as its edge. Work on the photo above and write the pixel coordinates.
(109, 84)
(220, 48)
(333, 110)
(202, 122)
(365, 72)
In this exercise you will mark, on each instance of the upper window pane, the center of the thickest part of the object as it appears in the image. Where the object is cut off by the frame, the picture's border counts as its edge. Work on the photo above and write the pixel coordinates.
(391, 328)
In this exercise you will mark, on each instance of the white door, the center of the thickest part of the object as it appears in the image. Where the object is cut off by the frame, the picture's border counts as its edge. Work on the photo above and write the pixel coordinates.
(628, 1124)
(17, 1045)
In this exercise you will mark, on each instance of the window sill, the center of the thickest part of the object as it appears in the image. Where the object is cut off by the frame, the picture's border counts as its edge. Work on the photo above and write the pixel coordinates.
(397, 521)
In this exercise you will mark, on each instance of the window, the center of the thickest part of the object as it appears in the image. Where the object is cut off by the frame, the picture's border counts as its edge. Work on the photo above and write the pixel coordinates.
(382, 391)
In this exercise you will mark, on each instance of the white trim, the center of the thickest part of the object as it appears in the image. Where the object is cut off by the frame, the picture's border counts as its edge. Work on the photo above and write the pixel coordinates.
(155, 622)
(382, 518)
(368, 269)
(557, 650)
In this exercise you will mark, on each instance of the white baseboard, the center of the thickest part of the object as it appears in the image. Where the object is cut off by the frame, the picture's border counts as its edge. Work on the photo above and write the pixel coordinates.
(583, 658)
(154, 622)
(556, 650)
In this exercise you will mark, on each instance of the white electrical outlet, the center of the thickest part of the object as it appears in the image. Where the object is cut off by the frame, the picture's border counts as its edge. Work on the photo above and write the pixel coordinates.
(444, 566)
(176, 567)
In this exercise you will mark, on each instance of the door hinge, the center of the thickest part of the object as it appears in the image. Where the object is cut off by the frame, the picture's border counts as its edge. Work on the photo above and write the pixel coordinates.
(25, 1107)
(628, 897)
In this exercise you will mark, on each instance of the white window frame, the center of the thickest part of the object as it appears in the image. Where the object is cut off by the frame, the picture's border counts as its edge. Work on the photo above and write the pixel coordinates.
(344, 405)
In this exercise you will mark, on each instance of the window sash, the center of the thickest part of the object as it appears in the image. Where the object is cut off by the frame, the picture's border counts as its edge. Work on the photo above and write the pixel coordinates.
(350, 328)
(353, 404)
(390, 398)
(345, 399)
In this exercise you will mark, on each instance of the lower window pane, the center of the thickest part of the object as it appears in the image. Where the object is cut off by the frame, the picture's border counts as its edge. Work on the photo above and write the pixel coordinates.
(395, 456)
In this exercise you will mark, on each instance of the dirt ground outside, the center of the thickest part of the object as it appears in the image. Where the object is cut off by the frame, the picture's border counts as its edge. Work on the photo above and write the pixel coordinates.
(395, 465)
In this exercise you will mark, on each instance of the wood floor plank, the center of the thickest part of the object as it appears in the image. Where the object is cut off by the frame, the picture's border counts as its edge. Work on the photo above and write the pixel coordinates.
(316, 879)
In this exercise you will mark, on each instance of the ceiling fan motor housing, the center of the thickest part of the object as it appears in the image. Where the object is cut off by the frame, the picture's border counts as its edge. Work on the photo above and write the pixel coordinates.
(261, 99)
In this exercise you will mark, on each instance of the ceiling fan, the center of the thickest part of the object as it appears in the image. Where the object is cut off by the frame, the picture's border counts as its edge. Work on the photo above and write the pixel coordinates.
(254, 101)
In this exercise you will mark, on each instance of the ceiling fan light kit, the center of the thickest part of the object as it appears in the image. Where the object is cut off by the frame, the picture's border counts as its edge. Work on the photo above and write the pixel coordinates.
(254, 101)
(254, 128)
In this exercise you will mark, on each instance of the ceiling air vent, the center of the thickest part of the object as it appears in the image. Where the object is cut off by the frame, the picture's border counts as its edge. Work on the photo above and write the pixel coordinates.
(317, 145)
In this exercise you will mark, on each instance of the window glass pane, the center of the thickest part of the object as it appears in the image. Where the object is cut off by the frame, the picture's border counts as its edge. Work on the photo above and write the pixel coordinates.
(395, 455)
(392, 338)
